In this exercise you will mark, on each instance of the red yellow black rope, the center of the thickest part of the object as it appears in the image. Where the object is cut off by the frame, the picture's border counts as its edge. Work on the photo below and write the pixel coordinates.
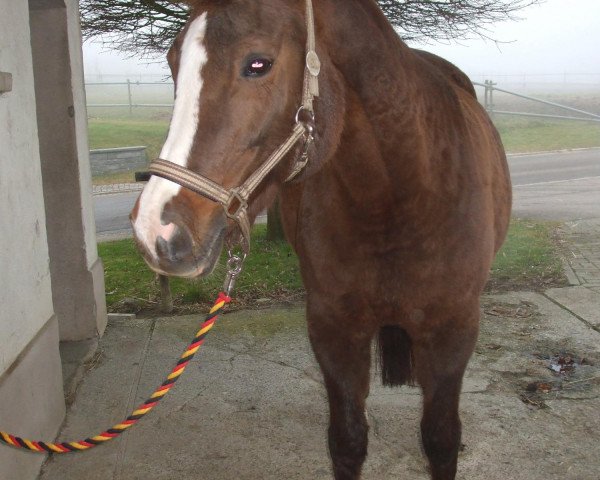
(141, 411)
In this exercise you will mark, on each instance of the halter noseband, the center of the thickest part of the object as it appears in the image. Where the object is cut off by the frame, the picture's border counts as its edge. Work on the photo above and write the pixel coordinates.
(235, 200)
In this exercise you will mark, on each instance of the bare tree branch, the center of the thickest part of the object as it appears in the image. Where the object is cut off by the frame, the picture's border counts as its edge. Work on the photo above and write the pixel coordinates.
(423, 20)
(144, 27)
(147, 27)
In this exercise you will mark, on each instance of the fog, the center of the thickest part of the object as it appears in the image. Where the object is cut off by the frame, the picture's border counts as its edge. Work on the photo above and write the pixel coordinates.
(553, 39)
(555, 42)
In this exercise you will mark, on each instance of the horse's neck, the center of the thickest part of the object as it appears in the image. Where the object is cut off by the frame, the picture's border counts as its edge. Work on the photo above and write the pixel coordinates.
(382, 93)
(373, 59)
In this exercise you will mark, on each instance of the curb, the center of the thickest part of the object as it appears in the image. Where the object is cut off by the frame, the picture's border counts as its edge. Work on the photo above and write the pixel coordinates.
(543, 152)
(117, 188)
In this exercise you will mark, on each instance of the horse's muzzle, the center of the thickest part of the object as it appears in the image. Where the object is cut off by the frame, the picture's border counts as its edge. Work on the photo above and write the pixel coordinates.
(175, 251)
(176, 254)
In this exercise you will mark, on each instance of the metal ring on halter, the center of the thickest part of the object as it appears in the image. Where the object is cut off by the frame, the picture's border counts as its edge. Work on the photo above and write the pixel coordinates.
(307, 123)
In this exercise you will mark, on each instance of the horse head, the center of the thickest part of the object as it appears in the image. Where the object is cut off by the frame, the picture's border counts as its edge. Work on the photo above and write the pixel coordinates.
(238, 68)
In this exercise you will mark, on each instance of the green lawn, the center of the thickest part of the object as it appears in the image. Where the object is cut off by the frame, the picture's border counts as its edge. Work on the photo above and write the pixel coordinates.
(529, 259)
(270, 272)
(533, 135)
(128, 132)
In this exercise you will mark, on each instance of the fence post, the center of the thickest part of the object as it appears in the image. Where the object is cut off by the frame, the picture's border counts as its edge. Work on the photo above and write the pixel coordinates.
(486, 100)
(166, 297)
(489, 97)
(129, 97)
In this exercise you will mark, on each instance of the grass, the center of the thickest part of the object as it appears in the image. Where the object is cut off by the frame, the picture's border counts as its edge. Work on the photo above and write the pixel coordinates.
(271, 273)
(128, 132)
(123, 177)
(521, 135)
(529, 259)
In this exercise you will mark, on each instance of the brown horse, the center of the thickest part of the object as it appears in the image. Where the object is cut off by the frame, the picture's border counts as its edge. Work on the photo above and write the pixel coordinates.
(396, 218)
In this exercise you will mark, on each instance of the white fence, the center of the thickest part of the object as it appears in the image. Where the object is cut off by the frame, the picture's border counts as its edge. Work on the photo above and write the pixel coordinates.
(541, 95)
(489, 104)
(129, 94)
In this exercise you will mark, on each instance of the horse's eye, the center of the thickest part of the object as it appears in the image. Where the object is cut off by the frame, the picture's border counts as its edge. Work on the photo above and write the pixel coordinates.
(257, 67)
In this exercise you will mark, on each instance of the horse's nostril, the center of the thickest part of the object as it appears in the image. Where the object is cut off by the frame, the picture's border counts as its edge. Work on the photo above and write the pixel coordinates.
(176, 248)
(162, 248)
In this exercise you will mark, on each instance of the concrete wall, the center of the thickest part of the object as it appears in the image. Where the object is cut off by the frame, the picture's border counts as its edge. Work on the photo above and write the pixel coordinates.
(31, 397)
(77, 273)
(51, 280)
(116, 160)
(80, 130)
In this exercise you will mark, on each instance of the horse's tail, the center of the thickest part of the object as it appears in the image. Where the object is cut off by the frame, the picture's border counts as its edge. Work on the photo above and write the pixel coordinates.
(395, 356)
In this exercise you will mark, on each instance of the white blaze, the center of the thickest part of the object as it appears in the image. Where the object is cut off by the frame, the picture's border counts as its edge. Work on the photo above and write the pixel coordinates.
(177, 147)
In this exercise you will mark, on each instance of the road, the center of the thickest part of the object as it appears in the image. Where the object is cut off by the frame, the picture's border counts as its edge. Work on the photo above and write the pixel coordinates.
(558, 185)
(562, 186)
(112, 215)
(541, 168)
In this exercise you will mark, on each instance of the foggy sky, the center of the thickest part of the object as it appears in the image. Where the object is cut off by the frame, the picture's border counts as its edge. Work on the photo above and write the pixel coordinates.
(559, 36)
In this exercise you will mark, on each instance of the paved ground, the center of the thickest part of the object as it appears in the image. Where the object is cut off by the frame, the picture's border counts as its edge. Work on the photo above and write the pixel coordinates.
(252, 406)
(584, 251)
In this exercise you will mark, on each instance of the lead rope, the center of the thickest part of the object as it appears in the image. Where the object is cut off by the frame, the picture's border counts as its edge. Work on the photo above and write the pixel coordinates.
(234, 266)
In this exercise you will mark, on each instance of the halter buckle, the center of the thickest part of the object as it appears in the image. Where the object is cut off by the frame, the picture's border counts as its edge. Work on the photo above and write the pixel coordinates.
(234, 194)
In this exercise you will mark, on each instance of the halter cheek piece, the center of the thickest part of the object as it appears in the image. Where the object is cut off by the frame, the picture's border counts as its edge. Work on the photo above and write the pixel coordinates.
(235, 200)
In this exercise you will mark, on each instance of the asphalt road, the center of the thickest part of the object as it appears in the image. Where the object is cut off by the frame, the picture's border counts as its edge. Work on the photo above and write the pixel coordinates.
(534, 169)
(563, 186)
(558, 185)
(112, 214)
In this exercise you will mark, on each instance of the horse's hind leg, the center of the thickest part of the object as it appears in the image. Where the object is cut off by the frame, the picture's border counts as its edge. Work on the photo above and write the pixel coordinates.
(344, 357)
(440, 361)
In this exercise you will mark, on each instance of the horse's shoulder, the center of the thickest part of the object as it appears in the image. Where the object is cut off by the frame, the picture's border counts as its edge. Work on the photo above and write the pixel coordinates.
(447, 69)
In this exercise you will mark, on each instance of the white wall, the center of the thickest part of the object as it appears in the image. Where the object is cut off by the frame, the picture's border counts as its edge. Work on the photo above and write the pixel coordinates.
(76, 271)
(46, 210)
(25, 289)
(30, 368)
(81, 130)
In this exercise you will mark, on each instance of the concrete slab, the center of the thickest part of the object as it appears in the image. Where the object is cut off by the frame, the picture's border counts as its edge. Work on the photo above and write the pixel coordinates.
(253, 406)
(582, 301)
(570, 273)
(74, 357)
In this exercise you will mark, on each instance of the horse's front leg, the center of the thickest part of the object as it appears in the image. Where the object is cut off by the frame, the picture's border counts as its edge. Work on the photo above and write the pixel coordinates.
(344, 357)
